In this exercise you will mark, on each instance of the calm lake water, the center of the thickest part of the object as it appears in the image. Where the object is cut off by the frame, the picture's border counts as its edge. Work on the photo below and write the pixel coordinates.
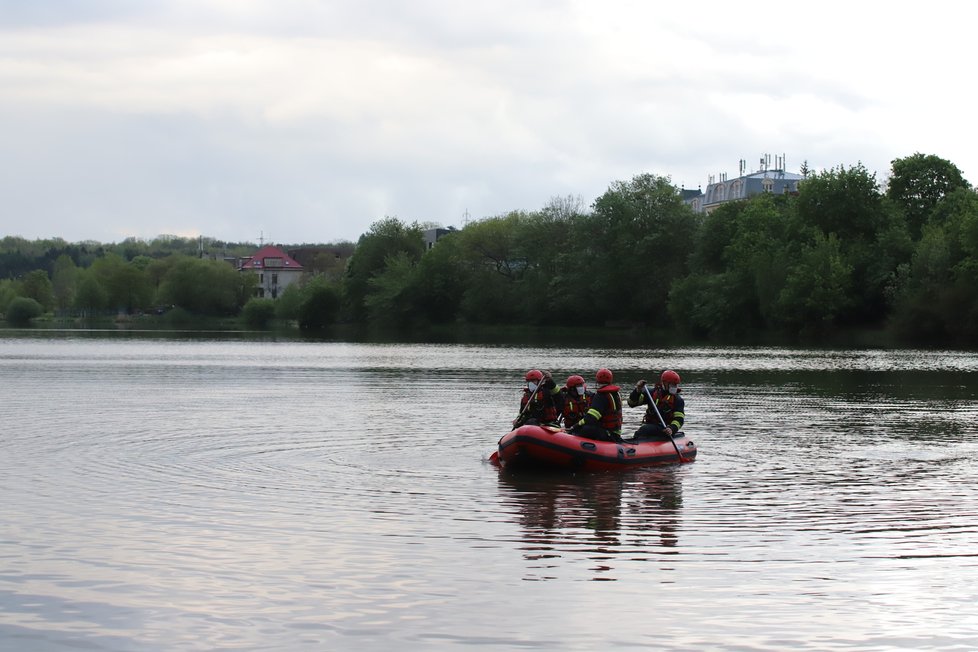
(186, 493)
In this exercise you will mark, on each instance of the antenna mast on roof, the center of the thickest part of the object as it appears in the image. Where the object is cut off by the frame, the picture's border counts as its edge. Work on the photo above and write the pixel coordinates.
(261, 238)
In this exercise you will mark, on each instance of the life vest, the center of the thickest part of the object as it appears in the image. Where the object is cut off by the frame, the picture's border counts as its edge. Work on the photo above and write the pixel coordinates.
(575, 406)
(666, 403)
(542, 408)
(611, 419)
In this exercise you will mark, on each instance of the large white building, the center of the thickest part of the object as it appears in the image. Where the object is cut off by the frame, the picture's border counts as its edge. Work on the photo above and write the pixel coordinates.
(768, 179)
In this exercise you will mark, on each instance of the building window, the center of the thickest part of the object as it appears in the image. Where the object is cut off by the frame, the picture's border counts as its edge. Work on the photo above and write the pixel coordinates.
(274, 280)
(737, 190)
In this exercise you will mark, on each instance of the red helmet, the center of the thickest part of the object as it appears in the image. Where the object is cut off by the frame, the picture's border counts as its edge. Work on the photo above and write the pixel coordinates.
(534, 376)
(604, 376)
(670, 377)
(574, 381)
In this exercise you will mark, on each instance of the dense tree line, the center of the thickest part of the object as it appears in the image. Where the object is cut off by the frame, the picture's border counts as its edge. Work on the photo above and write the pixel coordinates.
(178, 277)
(843, 253)
(19, 256)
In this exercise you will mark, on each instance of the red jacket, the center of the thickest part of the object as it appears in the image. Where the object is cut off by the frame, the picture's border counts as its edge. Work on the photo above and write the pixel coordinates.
(543, 407)
(605, 410)
(575, 406)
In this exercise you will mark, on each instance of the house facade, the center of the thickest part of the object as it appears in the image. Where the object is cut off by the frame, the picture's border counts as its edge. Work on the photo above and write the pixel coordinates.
(431, 236)
(275, 269)
(768, 179)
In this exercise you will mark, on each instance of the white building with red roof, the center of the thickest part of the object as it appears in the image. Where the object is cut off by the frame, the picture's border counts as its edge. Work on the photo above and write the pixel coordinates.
(276, 270)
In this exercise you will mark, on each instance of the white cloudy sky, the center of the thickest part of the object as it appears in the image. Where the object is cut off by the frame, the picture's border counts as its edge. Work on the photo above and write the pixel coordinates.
(308, 120)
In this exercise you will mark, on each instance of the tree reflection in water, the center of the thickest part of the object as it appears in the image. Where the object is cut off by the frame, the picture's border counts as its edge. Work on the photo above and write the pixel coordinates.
(604, 518)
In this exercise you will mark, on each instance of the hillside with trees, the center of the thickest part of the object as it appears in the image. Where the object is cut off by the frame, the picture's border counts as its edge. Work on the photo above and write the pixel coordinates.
(844, 253)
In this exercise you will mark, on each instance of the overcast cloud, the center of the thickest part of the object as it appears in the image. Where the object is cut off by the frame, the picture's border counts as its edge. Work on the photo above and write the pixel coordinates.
(307, 121)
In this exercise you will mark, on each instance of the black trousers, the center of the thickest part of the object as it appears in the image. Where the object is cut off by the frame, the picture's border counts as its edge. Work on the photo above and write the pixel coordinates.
(651, 431)
(594, 432)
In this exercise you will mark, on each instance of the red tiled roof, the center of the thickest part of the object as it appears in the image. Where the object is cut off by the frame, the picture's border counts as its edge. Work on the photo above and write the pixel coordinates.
(257, 260)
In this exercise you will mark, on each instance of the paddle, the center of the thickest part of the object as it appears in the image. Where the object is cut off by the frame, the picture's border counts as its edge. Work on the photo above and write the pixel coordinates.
(655, 407)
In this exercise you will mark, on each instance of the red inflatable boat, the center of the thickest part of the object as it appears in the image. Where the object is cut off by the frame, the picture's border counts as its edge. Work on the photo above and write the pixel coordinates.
(548, 447)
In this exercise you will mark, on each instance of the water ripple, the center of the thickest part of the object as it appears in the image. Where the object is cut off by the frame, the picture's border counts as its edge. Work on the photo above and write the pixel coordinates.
(230, 495)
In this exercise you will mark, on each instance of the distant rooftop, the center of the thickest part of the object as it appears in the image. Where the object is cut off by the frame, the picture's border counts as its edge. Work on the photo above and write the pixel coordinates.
(270, 257)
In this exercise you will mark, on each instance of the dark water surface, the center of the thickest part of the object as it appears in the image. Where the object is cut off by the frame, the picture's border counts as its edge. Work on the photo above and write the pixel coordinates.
(200, 494)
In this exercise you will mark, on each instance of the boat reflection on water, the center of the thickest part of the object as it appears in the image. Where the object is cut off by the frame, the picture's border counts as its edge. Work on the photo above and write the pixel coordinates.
(604, 519)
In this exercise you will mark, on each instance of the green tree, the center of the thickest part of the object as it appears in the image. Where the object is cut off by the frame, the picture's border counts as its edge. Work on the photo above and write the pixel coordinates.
(320, 306)
(258, 313)
(495, 292)
(36, 285)
(920, 313)
(383, 241)
(206, 287)
(493, 245)
(844, 201)
(756, 262)
(708, 245)
(131, 247)
(127, 286)
(713, 305)
(22, 310)
(918, 183)
(392, 290)
(936, 297)
(64, 281)
(330, 262)
(637, 245)
(440, 281)
(817, 290)
(288, 302)
(557, 282)
(157, 269)
(958, 214)
(91, 297)
(9, 290)
(141, 262)
(872, 237)
(17, 256)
